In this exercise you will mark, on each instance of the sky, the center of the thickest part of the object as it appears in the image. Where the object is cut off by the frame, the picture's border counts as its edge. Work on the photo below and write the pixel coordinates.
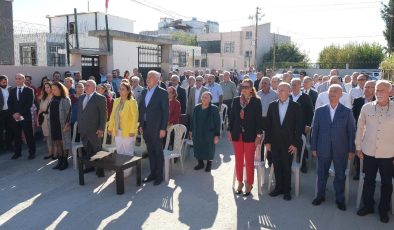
(311, 24)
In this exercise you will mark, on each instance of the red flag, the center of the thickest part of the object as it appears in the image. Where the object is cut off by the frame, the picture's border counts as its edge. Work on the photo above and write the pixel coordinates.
(106, 5)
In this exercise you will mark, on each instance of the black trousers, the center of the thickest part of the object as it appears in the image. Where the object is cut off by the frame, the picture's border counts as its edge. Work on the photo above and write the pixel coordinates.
(371, 167)
(282, 161)
(155, 151)
(27, 127)
(6, 129)
(229, 103)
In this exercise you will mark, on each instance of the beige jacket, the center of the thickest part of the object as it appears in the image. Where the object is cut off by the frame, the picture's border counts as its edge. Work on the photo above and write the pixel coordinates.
(375, 130)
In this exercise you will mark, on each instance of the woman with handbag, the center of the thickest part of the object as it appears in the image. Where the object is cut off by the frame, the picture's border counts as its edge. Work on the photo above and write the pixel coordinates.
(245, 131)
(59, 120)
(42, 118)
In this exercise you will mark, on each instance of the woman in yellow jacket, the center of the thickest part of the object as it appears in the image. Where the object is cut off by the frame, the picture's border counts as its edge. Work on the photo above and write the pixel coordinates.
(123, 121)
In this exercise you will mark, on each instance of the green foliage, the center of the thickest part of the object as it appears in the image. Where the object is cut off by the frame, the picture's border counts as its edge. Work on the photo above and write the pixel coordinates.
(286, 55)
(184, 38)
(358, 56)
(387, 13)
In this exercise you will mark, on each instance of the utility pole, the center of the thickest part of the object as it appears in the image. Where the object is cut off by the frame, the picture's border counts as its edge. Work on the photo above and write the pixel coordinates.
(255, 37)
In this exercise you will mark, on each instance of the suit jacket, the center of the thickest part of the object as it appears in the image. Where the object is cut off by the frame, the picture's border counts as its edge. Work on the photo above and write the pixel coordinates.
(94, 116)
(182, 98)
(2, 98)
(358, 103)
(307, 109)
(252, 122)
(163, 85)
(313, 94)
(191, 102)
(289, 133)
(156, 113)
(337, 135)
(23, 105)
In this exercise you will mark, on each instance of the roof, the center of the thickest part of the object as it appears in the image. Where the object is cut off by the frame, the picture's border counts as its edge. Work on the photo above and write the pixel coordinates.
(83, 13)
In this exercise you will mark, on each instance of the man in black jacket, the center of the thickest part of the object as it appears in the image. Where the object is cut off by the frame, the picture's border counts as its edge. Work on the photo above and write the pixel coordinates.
(19, 103)
(5, 116)
(358, 103)
(307, 110)
(307, 84)
(283, 137)
(180, 91)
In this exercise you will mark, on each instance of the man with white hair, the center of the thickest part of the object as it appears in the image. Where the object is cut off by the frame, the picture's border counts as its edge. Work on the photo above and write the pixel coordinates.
(323, 87)
(153, 117)
(136, 88)
(216, 90)
(332, 140)
(283, 138)
(359, 90)
(323, 98)
(375, 147)
(180, 91)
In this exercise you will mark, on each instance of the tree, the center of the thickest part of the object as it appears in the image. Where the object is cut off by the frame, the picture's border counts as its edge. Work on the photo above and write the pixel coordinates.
(286, 55)
(184, 38)
(358, 56)
(387, 13)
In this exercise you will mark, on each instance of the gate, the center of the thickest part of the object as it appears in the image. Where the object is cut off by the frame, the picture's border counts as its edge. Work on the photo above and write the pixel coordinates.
(149, 58)
(90, 67)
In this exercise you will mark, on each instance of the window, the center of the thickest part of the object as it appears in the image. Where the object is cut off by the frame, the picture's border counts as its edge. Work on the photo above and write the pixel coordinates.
(248, 53)
(56, 56)
(210, 46)
(228, 47)
(248, 35)
(28, 54)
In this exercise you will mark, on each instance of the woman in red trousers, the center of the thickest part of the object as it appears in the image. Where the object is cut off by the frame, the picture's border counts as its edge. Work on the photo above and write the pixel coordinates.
(245, 131)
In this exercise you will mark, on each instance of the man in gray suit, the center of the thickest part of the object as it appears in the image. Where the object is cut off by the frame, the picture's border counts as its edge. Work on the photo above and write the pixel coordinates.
(136, 88)
(195, 95)
(92, 117)
(153, 117)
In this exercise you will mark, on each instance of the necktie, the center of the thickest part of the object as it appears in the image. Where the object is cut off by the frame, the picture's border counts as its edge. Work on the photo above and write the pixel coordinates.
(19, 93)
(85, 102)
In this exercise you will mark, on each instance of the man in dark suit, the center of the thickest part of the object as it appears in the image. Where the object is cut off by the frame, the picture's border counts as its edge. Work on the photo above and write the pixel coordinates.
(92, 117)
(5, 116)
(307, 84)
(195, 95)
(332, 140)
(153, 117)
(283, 137)
(358, 103)
(180, 91)
(307, 111)
(19, 103)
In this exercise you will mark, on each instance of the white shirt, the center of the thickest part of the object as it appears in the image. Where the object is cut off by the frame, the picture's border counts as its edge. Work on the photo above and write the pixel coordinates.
(197, 95)
(216, 91)
(295, 97)
(6, 94)
(356, 93)
(322, 99)
(332, 112)
(282, 110)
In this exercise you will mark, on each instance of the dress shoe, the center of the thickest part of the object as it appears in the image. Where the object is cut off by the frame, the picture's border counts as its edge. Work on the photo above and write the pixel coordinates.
(31, 157)
(318, 200)
(247, 193)
(384, 217)
(16, 156)
(287, 196)
(364, 211)
(59, 163)
(88, 170)
(341, 206)
(148, 179)
(64, 165)
(209, 166)
(157, 182)
(200, 165)
(239, 189)
(276, 193)
(48, 157)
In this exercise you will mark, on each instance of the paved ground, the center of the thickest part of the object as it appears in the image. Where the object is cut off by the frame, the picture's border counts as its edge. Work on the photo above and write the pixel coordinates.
(33, 196)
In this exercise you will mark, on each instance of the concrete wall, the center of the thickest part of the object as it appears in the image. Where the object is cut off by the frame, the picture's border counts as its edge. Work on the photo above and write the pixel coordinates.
(6, 33)
(37, 72)
(125, 55)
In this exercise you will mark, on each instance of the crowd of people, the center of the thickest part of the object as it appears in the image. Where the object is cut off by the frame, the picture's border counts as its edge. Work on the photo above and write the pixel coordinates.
(345, 119)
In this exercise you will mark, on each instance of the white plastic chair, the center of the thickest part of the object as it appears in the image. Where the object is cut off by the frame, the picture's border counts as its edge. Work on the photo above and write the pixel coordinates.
(111, 147)
(295, 170)
(141, 149)
(361, 185)
(331, 173)
(259, 166)
(75, 145)
(176, 152)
